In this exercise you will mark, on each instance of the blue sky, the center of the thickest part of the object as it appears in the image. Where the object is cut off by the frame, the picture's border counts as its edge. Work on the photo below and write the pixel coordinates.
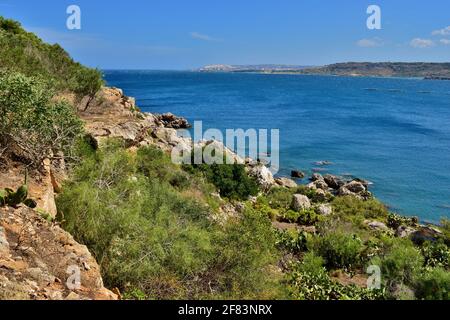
(184, 34)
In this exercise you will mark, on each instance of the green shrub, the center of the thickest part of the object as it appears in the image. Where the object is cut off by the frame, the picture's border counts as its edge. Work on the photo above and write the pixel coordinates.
(351, 206)
(31, 125)
(24, 52)
(445, 226)
(436, 254)
(280, 198)
(401, 264)
(309, 280)
(152, 241)
(231, 180)
(434, 285)
(313, 195)
(340, 250)
(394, 221)
(293, 240)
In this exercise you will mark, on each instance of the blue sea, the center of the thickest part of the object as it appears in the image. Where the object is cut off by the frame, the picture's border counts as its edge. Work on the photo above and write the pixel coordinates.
(393, 132)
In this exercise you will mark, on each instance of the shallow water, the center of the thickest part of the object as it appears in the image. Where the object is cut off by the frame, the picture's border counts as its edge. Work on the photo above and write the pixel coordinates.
(393, 132)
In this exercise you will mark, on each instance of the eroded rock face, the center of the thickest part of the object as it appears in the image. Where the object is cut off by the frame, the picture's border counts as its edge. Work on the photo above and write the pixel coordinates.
(37, 260)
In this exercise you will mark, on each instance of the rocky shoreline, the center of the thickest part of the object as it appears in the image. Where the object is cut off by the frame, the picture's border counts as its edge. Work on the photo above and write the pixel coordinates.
(113, 115)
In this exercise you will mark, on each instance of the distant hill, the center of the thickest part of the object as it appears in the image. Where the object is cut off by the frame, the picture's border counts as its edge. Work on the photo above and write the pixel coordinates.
(384, 69)
(252, 68)
(377, 69)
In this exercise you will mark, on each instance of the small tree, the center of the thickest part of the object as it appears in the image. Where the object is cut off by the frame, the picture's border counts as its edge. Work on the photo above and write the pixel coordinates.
(31, 125)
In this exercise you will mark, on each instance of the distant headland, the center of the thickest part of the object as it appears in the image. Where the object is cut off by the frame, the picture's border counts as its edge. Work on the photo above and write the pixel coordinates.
(426, 70)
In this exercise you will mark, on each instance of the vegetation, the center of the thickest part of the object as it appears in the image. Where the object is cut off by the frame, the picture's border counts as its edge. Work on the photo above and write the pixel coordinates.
(231, 180)
(151, 239)
(32, 126)
(151, 224)
(24, 52)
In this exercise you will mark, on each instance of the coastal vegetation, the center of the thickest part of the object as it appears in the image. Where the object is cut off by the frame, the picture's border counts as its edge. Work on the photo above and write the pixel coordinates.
(164, 231)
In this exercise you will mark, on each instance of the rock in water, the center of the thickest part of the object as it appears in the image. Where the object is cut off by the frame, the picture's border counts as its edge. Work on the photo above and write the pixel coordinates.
(297, 174)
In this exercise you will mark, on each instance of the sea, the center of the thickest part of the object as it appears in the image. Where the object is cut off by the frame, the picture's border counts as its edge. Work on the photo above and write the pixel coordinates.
(393, 132)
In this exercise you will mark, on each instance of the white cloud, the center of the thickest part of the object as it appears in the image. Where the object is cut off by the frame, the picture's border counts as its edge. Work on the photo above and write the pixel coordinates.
(421, 43)
(445, 41)
(370, 43)
(203, 37)
(441, 32)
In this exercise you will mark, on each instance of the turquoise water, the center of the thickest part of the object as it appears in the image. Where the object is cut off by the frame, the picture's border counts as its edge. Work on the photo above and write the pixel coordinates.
(393, 132)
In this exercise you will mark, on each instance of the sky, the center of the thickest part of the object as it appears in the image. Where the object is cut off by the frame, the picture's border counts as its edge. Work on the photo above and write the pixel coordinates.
(187, 34)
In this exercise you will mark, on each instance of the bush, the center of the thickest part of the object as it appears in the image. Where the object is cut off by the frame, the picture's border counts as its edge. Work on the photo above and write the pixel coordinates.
(351, 206)
(30, 123)
(24, 52)
(153, 242)
(304, 217)
(292, 240)
(280, 198)
(436, 254)
(309, 281)
(231, 180)
(313, 195)
(340, 250)
(434, 285)
(401, 264)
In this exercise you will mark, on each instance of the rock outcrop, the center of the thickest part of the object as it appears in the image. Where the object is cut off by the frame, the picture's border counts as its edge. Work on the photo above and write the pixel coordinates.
(39, 260)
(300, 202)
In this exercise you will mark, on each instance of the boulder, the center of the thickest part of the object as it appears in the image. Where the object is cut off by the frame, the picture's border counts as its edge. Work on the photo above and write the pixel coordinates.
(324, 209)
(300, 202)
(297, 174)
(377, 225)
(333, 181)
(316, 177)
(322, 195)
(425, 233)
(286, 182)
(169, 120)
(355, 187)
(404, 231)
(263, 176)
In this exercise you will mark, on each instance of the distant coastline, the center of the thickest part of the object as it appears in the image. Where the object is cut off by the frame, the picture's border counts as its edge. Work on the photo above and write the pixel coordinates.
(425, 70)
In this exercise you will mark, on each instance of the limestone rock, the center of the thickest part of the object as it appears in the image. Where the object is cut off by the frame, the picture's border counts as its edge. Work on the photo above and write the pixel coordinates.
(324, 209)
(286, 182)
(263, 176)
(36, 262)
(300, 202)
